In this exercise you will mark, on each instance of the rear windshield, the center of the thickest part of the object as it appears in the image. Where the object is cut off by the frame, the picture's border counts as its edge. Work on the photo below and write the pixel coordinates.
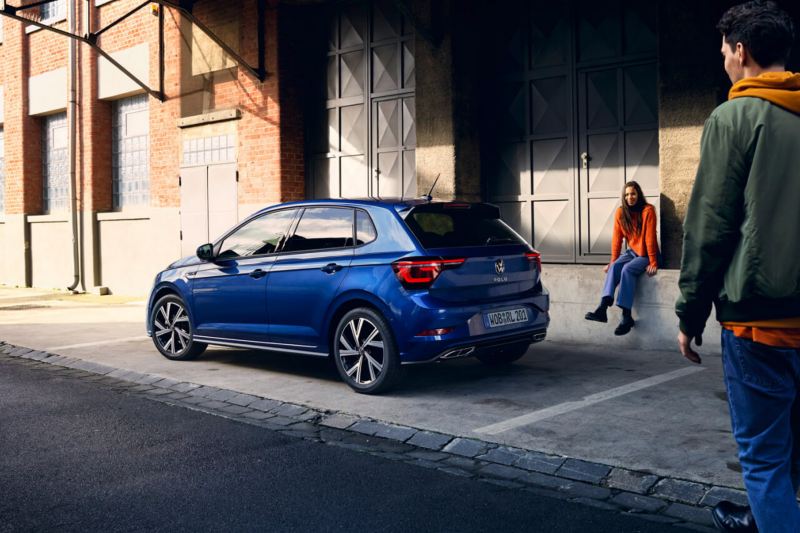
(440, 226)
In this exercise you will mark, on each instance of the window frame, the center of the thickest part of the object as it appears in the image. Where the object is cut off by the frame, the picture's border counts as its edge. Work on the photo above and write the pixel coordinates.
(355, 228)
(296, 223)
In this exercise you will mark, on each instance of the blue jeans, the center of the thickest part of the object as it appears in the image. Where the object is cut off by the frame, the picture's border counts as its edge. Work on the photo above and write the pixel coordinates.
(763, 386)
(625, 271)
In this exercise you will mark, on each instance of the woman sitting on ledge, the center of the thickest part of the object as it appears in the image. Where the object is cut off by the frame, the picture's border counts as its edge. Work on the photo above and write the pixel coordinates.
(635, 221)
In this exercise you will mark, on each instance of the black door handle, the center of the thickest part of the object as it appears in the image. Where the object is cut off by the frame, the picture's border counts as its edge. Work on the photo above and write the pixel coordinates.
(331, 268)
(257, 273)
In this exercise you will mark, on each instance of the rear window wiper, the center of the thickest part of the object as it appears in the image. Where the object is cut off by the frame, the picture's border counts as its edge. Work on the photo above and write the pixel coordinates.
(498, 240)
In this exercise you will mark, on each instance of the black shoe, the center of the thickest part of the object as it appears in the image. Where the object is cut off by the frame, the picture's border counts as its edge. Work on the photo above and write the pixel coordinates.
(598, 315)
(625, 326)
(731, 517)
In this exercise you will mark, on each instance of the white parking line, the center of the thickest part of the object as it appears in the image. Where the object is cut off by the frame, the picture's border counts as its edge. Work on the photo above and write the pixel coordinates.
(592, 399)
(98, 343)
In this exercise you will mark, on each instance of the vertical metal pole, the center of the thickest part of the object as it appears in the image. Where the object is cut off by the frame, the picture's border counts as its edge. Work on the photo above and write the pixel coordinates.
(72, 107)
(262, 61)
(161, 51)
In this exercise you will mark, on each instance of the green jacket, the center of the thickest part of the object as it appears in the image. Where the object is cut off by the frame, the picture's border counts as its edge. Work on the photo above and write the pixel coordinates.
(741, 247)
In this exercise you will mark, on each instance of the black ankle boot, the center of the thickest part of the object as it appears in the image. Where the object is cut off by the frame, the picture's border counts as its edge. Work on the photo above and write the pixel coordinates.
(601, 313)
(626, 323)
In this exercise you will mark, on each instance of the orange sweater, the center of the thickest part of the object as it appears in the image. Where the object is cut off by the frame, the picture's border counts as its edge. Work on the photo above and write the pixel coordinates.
(643, 243)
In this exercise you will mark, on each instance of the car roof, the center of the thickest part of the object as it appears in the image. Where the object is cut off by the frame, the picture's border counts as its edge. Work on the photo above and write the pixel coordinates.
(387, 203)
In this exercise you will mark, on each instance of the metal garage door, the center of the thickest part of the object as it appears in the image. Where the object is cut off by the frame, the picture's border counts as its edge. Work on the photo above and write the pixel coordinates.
(365, 141)
(578, 118)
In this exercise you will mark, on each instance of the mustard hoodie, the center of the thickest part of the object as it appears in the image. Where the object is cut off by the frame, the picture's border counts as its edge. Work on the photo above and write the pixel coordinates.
(780, 88)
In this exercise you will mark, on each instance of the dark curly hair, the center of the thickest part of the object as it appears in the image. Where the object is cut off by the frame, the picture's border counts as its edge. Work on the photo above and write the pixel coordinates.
(763, 28)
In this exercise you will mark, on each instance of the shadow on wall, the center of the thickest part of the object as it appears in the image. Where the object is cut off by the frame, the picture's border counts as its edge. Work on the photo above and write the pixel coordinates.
(671, 233)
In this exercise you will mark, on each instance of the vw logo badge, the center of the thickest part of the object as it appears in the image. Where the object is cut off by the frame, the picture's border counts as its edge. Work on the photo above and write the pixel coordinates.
(499, 266)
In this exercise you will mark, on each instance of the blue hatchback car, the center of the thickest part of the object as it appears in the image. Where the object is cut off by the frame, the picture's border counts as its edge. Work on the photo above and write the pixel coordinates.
(375, 284)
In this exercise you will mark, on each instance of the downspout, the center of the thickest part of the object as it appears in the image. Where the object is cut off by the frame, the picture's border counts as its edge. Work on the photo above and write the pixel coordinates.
(72, 108)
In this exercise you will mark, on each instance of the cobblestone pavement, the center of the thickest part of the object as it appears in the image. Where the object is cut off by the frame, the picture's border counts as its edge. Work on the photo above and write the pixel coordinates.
(662, 499)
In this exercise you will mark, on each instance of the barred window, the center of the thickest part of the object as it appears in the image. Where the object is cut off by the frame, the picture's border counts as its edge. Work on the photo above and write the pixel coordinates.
(2, 171)
(131, 152)
(53, 11)
(55, 169)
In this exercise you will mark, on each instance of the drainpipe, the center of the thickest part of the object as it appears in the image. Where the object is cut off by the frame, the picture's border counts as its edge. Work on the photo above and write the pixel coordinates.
(72, 107)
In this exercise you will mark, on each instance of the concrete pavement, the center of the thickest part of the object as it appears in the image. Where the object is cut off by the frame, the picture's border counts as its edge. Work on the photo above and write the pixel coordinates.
(646, 411)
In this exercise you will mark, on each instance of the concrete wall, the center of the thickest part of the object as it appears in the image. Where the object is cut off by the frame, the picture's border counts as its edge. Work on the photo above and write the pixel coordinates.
(134, 247)
(51, 251)
(575, 289)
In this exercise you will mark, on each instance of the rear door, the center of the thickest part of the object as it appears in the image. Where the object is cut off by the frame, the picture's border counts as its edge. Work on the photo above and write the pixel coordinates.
(496, 266)
(307, 275)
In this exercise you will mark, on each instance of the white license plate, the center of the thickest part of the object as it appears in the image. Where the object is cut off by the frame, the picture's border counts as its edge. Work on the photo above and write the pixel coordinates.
(506, 318)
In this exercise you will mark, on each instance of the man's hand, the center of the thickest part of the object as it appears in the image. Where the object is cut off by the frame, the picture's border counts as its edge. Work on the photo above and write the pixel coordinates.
(605, 268)
(685, 345)
(651, 270)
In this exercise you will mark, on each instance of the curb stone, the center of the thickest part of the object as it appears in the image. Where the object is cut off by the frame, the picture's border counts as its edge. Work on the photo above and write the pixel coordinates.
(682, 503)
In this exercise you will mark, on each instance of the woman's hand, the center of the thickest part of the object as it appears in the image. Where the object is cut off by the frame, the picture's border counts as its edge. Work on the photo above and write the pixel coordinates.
(605, 268)
(651, 270)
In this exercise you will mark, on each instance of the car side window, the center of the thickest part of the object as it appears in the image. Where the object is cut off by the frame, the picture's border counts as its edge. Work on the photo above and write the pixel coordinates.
(322, 228)
(365, 229)
(262, 235)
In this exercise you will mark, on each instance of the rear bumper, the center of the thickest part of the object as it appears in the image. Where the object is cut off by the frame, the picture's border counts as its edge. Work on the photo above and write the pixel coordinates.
(485, 346)
(470, 333)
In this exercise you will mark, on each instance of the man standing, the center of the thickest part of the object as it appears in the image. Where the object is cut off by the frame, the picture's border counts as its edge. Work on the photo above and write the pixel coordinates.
(741, 251)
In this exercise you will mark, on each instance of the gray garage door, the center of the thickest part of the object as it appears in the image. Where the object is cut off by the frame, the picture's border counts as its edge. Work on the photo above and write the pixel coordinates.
(364, 142)
(578, 118)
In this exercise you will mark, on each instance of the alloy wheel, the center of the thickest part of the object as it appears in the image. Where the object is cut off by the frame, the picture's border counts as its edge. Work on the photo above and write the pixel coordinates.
(171, 328)
(361, 351)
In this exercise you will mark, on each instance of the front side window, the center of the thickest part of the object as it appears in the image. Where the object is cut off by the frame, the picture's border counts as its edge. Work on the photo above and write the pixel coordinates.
(55, 171)
(130, 152)
(322, 228)
(262, 235)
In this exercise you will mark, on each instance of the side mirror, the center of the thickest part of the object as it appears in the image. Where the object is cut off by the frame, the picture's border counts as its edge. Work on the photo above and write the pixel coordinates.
(205, 252)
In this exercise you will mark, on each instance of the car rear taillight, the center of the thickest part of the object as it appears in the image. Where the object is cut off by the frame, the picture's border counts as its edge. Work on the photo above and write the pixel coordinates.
(421, 273)
(535, 257)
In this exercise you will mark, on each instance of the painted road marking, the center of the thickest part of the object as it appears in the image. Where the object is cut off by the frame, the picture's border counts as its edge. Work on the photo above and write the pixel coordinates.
(566, 407)
(98, 343)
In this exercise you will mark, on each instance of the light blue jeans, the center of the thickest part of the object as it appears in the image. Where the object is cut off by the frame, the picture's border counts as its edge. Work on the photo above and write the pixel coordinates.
(625, 272)
(764, 398)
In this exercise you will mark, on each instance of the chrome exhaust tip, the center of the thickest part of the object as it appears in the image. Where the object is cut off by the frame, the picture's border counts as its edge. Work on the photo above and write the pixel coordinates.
(539, 337)
(458, 352)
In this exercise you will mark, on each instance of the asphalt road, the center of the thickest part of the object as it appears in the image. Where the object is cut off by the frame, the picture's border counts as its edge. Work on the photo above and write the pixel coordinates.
(75, 456)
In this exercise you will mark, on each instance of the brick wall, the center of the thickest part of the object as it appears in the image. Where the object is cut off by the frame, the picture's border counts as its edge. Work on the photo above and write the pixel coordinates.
(270, 160)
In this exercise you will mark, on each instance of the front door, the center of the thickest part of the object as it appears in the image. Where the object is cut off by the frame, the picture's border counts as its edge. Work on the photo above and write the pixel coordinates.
(230, 293)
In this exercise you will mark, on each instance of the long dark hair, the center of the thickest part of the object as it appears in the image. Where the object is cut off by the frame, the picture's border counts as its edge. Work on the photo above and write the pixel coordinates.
(632, 225)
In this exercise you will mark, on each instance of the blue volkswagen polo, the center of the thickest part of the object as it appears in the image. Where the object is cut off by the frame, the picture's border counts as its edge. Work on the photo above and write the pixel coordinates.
(375, 284)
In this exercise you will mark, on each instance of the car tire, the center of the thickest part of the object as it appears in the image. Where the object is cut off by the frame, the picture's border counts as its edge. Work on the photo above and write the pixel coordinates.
(365, 352)
(504, 355)
(172, 330)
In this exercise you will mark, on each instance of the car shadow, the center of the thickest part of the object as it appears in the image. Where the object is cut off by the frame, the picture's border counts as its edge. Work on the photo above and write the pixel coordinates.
(451, 375)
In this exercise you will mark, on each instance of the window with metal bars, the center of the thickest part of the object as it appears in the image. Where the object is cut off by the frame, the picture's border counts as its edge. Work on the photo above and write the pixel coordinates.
(131, 152)
(55, 167)
(53, 11)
